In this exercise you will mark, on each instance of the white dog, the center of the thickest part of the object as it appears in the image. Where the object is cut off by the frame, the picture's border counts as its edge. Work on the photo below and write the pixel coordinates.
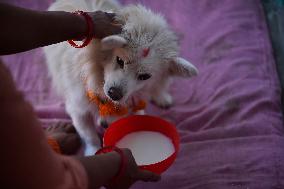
(137, 63)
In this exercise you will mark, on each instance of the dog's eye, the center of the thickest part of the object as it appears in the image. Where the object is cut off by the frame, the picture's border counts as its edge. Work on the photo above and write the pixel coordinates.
(144, 76)
(120, 62)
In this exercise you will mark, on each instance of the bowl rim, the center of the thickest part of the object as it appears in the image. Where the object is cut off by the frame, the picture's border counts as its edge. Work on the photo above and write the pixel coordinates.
(167, 129)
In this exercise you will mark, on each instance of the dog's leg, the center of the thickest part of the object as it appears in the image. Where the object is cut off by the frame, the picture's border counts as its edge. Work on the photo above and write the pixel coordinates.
(106, 121)
(86, 128)
(102, 122)
(160, 96)
(84, 124)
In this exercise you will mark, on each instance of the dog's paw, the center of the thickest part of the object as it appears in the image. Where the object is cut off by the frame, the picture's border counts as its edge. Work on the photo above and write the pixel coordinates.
(102, 123)
(90, 150)
(164, 101)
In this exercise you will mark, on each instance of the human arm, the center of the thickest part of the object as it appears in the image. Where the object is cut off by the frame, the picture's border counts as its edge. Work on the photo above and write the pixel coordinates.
(27, 161)
(24, 29)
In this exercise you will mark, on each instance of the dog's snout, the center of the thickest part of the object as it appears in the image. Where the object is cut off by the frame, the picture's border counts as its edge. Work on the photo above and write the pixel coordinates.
(115, 93)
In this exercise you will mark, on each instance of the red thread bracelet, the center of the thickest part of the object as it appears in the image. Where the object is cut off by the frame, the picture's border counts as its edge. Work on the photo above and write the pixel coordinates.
(89, 32)
(122, 166)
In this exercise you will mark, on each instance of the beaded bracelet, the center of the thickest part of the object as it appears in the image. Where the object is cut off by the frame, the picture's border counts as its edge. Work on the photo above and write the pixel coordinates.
(122, 166)
(89, 33)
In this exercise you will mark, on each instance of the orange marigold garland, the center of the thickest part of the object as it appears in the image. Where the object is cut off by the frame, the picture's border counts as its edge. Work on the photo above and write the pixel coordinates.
(109, 108)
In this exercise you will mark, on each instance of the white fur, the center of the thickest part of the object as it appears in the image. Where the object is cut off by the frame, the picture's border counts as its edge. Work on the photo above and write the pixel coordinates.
(141, 29)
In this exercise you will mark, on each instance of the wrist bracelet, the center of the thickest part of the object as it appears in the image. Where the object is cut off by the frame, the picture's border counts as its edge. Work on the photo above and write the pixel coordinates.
(122, 166)
(89, 32)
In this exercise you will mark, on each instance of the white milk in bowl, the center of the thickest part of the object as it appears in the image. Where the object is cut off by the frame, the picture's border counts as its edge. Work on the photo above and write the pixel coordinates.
(147, 147)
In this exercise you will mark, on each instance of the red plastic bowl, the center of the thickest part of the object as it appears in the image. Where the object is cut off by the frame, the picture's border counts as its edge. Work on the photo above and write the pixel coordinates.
(124, 126)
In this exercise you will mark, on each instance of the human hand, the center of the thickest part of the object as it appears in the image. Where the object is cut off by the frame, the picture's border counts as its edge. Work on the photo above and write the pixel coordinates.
(103, 167)
(104, 24)
(132, 174)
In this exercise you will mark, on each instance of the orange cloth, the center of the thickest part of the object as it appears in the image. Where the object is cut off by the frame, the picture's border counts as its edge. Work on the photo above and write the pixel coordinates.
(54, 145)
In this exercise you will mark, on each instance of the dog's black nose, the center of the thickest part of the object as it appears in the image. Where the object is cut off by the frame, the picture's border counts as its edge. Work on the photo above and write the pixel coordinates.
(115, 93)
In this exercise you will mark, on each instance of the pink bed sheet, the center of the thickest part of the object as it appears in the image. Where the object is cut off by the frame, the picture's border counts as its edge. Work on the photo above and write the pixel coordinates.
(229, 116)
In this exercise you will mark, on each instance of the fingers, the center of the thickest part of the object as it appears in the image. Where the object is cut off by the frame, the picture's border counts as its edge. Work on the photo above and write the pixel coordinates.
(61, 127)
(70, 128)
(127, 152)
(70, 144)
(110, 15)
(76, 140)
(143, 175)
(115, 29)
(148, 176)
(105, 24)
(115, 26)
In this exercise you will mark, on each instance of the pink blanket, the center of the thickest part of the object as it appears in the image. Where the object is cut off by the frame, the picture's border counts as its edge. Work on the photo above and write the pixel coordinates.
(229, 116)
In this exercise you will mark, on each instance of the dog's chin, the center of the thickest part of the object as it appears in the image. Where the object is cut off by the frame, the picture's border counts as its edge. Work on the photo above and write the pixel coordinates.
(122, 101)
(126, 99)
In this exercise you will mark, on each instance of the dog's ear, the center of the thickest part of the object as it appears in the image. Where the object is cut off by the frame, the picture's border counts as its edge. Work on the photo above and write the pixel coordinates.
(113, 41)
(181, 67)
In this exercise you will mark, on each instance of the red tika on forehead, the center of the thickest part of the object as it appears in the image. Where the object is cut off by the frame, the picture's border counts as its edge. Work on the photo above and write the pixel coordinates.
(145, 52)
